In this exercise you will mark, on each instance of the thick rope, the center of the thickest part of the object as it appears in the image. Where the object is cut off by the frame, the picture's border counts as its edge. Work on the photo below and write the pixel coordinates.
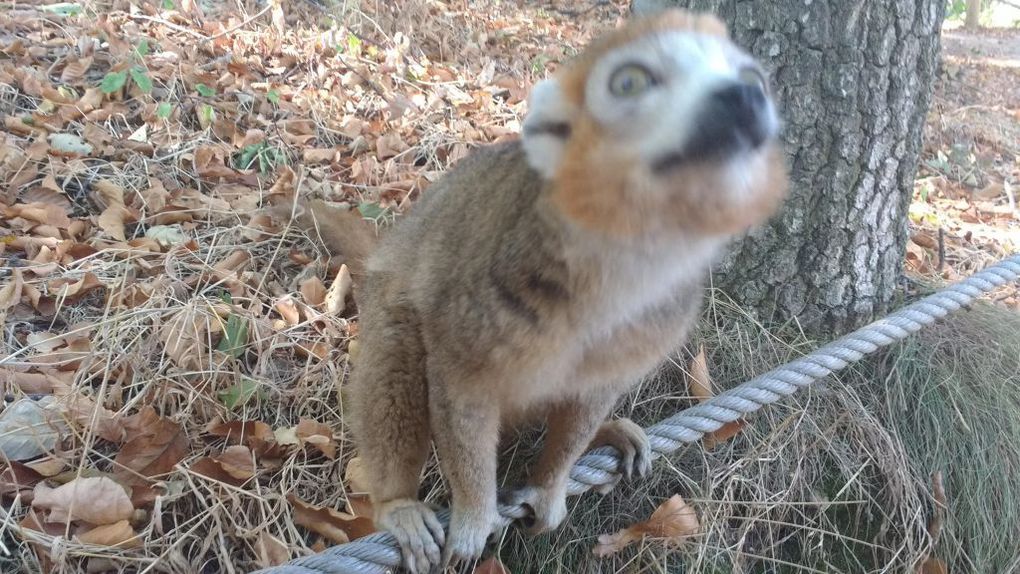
(379, 553)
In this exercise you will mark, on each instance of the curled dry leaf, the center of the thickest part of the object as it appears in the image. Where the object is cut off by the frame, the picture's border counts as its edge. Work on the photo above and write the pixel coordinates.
(184, 336)
(256, 435)
(491, 566)
(358, 500)
(313, 290)
(337, 526)
(29, 428)
(17, 477)
(288, 310)
(701, 382)
(672, 521)
(156, 446)
(271, 550)
(89, 415)
(701, 389)
(120, 534)
(318, 435)
(337, 295)
(234, 466)
(96, 500)
(42, 213)
(10, 292)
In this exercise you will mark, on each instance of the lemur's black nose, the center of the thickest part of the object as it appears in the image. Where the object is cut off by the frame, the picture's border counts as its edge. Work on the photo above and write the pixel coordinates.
(735, 118)
(742, 110)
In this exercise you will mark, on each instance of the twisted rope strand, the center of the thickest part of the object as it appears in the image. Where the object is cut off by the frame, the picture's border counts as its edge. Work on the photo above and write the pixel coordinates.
(380, 554)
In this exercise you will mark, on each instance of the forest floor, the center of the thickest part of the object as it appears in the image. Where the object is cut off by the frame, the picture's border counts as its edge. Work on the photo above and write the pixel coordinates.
(171, 358)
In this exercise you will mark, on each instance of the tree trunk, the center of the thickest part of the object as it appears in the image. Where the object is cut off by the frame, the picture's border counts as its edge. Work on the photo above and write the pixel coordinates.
(854, 80)
(973, 14)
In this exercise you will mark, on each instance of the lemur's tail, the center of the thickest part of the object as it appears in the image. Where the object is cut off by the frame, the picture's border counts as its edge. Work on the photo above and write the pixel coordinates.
(345, 234)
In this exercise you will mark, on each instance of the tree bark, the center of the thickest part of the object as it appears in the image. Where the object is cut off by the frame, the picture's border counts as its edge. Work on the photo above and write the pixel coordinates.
(854, 79)
(973, 21)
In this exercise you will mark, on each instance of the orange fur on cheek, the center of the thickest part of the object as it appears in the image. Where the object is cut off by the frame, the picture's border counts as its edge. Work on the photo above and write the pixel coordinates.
(591, 186)
(598, 190)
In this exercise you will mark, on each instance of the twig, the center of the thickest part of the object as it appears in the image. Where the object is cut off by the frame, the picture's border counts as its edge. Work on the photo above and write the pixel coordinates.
(942, 248)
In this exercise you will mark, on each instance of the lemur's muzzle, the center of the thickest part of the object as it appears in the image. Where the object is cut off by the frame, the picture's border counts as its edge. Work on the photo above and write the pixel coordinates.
(734, 119)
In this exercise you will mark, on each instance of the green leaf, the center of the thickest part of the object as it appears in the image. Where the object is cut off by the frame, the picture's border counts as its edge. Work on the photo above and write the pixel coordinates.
(235, 336)
(63, 8)
(241, 393)
(168, 5)
(248, 155)
(372, 210)
(143, 47)
(353, 43)
(273, 96)
(208, 113)
(163, 110)
(205, 91)
(141, 79)
(227, 297)
(113, 82)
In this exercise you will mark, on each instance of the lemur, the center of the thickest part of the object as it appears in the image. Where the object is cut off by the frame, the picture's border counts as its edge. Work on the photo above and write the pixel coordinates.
(544, 277)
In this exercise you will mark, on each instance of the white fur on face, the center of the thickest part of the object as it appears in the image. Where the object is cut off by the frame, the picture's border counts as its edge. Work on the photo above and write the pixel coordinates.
(546, 107)
(688, 68)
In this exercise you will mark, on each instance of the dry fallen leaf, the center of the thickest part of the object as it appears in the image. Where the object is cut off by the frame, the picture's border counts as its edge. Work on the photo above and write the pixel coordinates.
(288, 310)
(672, 521)
(933, 566)
(313, 290)
(337, 295)
(271, 550)
(256, 435)
(96, 500)
(119, 534)
(16, 477)
(317, 434)
(157, 444)
(491, 566)
(356, 477)
(29, 428)
(701, 389)
(234, 466)
(337, 526)
(701, 382)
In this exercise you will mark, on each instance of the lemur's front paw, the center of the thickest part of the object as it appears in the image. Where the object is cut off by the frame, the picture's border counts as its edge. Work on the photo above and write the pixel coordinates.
(469, 531)
(416, 529)
(632, 442)
(548, 506)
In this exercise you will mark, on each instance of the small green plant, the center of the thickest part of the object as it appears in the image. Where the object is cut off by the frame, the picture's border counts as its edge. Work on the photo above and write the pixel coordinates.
(163, 110)
(375, 212)
(115, 81)
(238, 395)
(235, 336)
(205, 91)
(262, 154)
(273, 96)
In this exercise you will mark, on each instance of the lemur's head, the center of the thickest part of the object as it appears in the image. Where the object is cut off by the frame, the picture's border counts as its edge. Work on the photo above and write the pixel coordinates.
(661, 125)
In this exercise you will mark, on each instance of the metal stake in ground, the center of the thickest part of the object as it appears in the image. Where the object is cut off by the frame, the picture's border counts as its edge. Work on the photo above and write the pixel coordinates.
(379, 553)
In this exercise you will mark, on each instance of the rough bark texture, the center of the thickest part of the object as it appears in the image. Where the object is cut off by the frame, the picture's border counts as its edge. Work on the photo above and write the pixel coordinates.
(973, 14)
(854, 79)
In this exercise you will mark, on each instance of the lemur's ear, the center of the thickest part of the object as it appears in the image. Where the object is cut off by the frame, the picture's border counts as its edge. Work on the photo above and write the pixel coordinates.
(547, 126)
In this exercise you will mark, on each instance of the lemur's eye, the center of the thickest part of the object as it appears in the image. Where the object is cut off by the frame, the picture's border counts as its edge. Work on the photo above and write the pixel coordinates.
(752, 76)
(630, 80)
